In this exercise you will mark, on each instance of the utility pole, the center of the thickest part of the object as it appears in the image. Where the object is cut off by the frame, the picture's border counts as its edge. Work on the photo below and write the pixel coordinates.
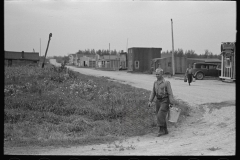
(40, 47)
(127, 54)
(40, 52)
(173, 63)
(50, 35)
(127, 46)
(109, 55)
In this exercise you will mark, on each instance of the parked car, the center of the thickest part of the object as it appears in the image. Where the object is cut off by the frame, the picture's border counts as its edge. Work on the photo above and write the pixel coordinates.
(200, 70)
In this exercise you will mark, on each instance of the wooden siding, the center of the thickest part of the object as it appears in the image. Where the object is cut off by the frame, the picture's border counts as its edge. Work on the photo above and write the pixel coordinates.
(18, 55)
(144, 56)
(16, 62)
(166, 64)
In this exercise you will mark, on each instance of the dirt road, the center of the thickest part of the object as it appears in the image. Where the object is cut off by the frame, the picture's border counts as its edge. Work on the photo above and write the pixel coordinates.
(212, 132)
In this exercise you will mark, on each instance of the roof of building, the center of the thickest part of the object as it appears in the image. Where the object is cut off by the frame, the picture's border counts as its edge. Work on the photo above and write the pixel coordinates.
(86, 55)
(123, 53)
(146, 47)
(155, 59)
(205, 63)
(18, 55)
(110, 57)
(207, 60)
(72, 54)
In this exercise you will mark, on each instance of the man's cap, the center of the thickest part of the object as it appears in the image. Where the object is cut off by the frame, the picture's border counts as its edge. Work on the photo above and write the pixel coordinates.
(159, 70)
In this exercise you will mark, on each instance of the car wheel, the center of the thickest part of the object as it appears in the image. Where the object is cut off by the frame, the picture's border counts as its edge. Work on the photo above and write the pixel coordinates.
(200, 75)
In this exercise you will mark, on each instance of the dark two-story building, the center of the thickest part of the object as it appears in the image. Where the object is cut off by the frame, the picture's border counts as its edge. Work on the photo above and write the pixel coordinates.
(140, 59)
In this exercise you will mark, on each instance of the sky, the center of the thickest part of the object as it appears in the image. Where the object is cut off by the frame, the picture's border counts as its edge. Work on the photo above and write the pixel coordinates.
(79, 25)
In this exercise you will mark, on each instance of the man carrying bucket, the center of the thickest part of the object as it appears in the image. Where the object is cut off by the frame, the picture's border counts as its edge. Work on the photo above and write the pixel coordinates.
(162, 90)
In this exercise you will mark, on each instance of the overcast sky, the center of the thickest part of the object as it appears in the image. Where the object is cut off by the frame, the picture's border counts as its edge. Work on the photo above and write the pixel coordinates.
(77, 25)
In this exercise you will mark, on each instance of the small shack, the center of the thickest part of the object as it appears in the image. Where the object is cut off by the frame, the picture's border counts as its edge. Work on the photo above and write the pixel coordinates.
(87, 61)
(228, 67)
(166, 64)
(12, 58)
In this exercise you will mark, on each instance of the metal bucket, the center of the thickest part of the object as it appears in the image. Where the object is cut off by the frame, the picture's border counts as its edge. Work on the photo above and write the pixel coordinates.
(173, 114)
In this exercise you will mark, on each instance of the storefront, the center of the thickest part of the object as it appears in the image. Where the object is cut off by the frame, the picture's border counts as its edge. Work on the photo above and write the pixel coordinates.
(228, 67)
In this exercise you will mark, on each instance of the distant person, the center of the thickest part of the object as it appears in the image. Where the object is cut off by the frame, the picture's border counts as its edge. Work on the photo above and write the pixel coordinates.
(163, 92)
(159, 66)
(120, 67)
(189, 74)
(152, 69)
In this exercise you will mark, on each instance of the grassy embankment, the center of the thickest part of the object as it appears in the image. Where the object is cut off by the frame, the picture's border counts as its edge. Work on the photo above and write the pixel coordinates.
(48, 107)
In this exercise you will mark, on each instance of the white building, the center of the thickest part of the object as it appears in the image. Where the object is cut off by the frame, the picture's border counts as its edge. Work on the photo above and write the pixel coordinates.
(111, 62)
(82, 60)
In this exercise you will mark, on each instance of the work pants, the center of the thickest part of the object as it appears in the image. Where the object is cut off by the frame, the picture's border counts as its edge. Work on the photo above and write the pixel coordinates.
(189, 78)
(162, 108)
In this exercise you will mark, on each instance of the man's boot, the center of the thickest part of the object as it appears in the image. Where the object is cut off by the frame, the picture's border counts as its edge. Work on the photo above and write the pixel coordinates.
(166, 130)
(161, 131)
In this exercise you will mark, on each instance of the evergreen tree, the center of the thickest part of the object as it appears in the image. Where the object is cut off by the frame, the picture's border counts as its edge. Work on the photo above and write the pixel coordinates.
(99, 52)
(180, 53)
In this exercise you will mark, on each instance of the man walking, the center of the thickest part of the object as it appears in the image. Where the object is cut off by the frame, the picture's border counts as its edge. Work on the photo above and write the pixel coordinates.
(162, 90)
(189, 74)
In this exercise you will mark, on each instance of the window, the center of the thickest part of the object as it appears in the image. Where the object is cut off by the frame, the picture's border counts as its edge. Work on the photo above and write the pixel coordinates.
(203, 67)
(137, 64)
(169, 64)
(212, 67)
(197, 66)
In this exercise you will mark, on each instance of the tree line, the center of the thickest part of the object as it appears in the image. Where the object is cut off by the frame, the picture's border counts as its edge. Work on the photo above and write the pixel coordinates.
(177, 53)
(190, 54)
(99, 52)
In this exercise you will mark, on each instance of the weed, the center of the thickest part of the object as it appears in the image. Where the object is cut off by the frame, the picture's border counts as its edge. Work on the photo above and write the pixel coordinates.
(213, 148)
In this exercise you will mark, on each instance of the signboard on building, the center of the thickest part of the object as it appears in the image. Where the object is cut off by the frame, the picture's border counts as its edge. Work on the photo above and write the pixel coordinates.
(227, 46)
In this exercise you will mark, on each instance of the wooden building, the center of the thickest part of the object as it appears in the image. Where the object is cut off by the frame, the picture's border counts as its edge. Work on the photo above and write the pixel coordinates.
(123, 60)
(166, 64)
(12, 58)
(139, 59)
(228, 67)
(108, 62)
(87, 61)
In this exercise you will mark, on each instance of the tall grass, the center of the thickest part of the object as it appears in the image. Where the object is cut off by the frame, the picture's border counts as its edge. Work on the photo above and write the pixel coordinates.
(49, 106)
